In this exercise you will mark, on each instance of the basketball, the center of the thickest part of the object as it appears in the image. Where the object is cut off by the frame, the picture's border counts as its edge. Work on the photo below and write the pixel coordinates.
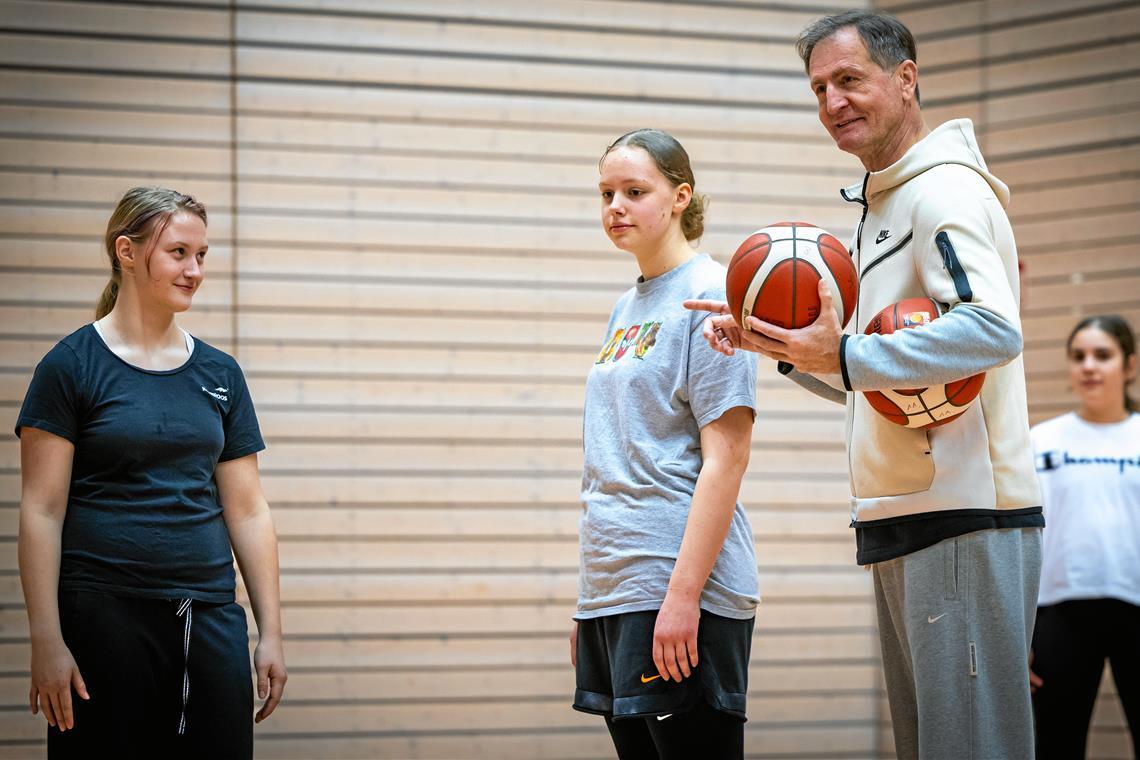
(775, 273)
(921, 407)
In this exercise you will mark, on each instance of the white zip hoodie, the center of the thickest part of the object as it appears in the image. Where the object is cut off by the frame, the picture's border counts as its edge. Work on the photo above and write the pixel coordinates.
(934, 224)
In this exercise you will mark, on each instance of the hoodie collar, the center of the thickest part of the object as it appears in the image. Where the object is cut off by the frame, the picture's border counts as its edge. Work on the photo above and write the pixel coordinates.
(950, 143)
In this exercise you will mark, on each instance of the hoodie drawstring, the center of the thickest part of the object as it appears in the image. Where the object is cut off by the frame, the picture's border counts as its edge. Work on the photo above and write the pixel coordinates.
(184, 609)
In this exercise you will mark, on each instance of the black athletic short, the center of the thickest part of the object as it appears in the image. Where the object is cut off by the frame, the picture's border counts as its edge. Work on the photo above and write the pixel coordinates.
(615, 670)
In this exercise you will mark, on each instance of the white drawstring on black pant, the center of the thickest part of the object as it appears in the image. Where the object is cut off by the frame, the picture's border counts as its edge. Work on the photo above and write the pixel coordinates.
(184, 609)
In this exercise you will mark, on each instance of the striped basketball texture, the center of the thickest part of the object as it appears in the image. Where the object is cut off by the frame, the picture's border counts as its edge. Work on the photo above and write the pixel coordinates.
(775, 273)
(919, 407)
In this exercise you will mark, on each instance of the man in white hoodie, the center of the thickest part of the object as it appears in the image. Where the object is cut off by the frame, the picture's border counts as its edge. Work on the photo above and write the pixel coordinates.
(948, 518)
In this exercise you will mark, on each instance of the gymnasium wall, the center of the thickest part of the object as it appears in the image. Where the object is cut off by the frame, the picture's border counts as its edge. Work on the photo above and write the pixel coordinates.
(407, 260)
(1052, 87)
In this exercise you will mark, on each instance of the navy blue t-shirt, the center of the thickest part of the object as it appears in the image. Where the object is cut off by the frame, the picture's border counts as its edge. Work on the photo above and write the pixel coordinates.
(143, 516)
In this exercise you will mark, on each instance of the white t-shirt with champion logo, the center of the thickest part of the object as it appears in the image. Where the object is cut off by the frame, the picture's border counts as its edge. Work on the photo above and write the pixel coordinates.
(1090, 482)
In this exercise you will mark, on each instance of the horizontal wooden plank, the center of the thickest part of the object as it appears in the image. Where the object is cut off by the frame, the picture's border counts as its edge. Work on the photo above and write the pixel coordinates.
(1094, 229)
(971, 16)
(84, 286)
(387, 136)
(281, 229)
(1104, 59)
(1025, 40)
(1051, 167)
(578, 203)
(1047, 265)
(115, 18)
(84, 254)
(1122, 289)
(1059, 134)
(622, 15)
(31, 219)
(1115, 191)
(415, 36)
(551, 142)
(210, 128)
(1061, 103)
(1056, 326)
(54, 187)
(128, 55)
(424, 105)
(736, 86)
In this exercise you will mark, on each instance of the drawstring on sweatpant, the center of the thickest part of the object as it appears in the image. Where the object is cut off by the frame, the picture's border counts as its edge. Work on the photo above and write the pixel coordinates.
(184, 609)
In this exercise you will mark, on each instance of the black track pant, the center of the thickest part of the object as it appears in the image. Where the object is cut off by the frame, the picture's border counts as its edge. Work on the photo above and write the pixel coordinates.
(1070, 644)
(702, 732)
(130, 654)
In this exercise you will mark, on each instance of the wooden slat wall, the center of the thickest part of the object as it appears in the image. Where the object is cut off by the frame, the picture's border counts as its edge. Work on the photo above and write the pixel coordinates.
(1054, 90)
(407, 261)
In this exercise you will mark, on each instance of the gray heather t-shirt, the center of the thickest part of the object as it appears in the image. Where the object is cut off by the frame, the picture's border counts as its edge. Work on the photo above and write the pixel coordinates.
(653, 386)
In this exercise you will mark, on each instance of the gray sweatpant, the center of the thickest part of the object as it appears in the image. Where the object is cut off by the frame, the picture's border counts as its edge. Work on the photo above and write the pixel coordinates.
(955, 625)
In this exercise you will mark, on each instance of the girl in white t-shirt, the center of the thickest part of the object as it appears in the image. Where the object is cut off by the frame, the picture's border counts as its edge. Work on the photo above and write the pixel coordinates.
(1088, 462)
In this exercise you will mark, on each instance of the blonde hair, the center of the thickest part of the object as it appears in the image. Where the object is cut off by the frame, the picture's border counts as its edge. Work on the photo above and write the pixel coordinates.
(141, 215)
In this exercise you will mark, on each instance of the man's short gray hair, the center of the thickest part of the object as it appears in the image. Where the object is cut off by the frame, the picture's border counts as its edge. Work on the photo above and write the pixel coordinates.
(888, 41)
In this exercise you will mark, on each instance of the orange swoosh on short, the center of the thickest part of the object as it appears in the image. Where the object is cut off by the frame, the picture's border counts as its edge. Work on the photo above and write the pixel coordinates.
(650, 678)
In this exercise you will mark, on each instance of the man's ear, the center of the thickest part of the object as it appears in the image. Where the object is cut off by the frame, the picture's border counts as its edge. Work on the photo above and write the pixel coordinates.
(907, 72)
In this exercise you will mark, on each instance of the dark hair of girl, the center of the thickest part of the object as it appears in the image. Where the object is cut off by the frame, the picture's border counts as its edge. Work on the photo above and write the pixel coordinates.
(1114, 326)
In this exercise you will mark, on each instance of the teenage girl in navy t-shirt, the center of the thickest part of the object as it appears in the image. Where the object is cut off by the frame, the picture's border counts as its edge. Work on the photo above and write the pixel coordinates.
(140, 485)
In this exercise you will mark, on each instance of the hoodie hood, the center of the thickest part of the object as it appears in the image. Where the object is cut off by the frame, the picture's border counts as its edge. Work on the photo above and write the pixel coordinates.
(951, 143)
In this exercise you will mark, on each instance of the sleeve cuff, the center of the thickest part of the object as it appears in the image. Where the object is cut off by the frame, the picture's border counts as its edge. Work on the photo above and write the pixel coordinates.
(843, 361)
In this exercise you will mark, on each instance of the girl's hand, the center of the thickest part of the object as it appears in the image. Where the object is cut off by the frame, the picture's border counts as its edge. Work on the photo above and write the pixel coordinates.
(574, 644)
(675, 637)
(54, 674)
(269, 661)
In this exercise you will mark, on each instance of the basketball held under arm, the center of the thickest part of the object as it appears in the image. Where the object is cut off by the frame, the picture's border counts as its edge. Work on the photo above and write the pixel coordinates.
(963, 342)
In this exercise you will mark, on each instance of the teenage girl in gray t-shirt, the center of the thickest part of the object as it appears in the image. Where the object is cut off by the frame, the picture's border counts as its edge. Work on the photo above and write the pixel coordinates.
(667, 583)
